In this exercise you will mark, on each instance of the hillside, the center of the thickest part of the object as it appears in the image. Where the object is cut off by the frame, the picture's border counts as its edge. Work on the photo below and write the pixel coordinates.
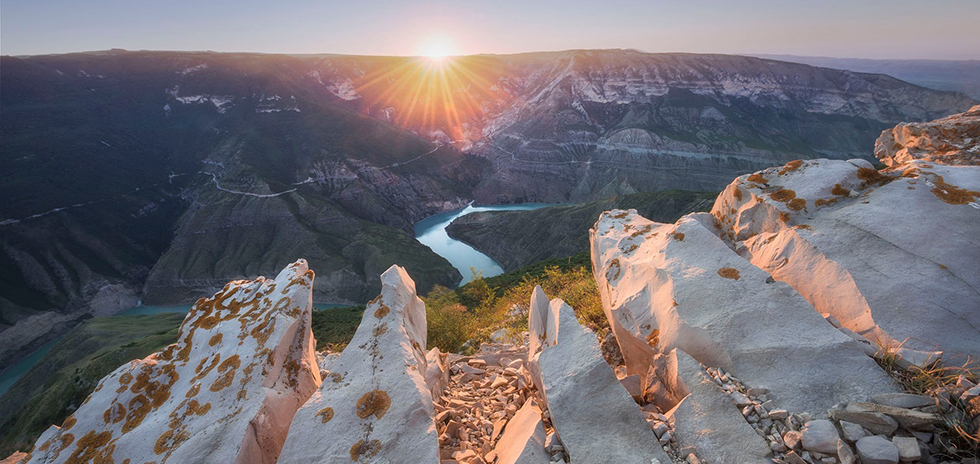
(517, 238)
(159, 176)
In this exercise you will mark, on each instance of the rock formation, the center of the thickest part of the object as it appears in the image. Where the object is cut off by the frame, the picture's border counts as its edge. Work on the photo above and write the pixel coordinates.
(891, 254)
(374, 405)
(593, 414)
(667, 286)
(225, 392)
(953, 140)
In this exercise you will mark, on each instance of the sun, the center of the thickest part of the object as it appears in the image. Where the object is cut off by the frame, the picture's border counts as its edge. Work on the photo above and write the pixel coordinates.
(437, 47)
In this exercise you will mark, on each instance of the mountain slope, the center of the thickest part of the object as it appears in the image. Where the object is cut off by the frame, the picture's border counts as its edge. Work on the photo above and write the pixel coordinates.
(161, 175)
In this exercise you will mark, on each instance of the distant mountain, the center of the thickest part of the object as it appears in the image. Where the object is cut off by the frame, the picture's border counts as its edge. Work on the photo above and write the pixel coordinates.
(159, 176)
(956, 75)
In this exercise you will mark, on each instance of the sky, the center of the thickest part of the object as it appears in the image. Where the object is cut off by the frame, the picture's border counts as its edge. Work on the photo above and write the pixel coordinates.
(894, 29)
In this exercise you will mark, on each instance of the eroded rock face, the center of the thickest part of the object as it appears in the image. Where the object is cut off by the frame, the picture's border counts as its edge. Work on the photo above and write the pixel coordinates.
(592, 412)
(375, 404)
(667, 286)
(954, 140)
(889, 254)
(225, 392)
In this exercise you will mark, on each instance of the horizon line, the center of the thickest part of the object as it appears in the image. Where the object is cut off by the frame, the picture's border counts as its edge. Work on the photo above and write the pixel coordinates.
(752, 55)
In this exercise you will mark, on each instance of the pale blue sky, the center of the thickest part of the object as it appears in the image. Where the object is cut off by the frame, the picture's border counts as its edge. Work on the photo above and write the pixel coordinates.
(942, 29)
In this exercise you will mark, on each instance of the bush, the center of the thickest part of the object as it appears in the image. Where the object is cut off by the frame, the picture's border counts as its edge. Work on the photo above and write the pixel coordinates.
(459, 320)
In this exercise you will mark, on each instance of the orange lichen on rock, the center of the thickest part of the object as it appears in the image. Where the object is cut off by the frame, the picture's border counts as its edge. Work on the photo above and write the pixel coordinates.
(784, 216)
(325, 414)
(227, 369)
(91, 448)
(758, 179)
(374, 402)
(382, 311)
(365, 449)
(952, 194)
(613, 267)
(823, 202)
(796, 204)
(791, 166)
(215, 339)
(840, 191)
(782, 195)
(873, 177)
(729, 273)
(654, 338)
(679, 236)
(738, 194)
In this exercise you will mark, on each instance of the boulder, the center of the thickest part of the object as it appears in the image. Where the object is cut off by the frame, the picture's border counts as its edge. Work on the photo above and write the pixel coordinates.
(950, 140)
(877, 450)
(225, 392)
(908, 449)
(523, 440)
(592, 413)
(666, 286)
(890, 255)
(708, 420)
(820, 436)
(375, 406)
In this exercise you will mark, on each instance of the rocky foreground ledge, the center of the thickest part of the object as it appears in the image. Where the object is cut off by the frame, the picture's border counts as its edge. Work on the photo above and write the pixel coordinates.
(754, 333)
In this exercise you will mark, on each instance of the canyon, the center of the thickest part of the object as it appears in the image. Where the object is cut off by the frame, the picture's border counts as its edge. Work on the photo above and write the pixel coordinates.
(775, 327)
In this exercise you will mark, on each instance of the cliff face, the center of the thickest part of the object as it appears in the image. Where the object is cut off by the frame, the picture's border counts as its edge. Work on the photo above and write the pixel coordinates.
(952, 140)
(161, 175)
(740, 334)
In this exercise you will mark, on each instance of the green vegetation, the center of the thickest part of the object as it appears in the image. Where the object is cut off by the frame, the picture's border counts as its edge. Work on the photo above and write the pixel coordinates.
(63, 378)
(459, 320)
(334, 328)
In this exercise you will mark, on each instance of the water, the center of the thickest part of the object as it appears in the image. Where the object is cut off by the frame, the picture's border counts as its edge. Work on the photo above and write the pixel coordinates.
(12, 373)
(431, 232)
(9, 376)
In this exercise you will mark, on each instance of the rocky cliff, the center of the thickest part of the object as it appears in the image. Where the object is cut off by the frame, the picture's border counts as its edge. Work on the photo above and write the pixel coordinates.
(747, 334)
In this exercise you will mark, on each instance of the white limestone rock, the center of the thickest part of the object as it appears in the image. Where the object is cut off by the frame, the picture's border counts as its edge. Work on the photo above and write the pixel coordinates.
(890, 255)
(243, 364)
(592, 413)
(708, 420)
(375, 406)
(523, 440)
(666, 286)
(951, 140)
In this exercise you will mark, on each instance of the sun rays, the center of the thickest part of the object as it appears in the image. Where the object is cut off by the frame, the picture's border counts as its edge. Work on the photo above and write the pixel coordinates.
(435, 93)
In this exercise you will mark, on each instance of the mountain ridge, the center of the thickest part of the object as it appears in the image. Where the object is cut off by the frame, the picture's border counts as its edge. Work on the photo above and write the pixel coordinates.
(163, 175)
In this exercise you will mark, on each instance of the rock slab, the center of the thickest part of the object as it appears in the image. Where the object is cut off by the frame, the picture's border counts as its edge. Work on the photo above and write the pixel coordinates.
(593, 414)
(375, 405)
(243, 364)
